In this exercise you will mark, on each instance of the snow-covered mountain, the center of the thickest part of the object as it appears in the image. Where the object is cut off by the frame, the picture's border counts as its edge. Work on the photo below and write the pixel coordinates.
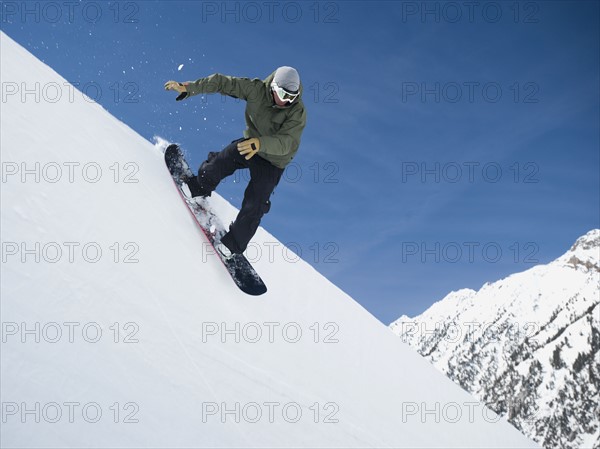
(527, 345)
(120, 329)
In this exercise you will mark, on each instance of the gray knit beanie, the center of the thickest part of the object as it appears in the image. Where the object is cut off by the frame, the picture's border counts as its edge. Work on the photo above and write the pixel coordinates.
(288, 78)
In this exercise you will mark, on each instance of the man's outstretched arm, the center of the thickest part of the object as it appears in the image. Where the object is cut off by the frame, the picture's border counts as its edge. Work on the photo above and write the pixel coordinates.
(216, 83)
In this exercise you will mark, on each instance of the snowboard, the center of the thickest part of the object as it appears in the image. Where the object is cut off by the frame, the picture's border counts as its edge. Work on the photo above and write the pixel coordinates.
(239, 268)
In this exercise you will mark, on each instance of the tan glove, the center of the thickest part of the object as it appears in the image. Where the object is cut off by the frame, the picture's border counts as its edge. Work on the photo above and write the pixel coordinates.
(178, 87)
(249, 147)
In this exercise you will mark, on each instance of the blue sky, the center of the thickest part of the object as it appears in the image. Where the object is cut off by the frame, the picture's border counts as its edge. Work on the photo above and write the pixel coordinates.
(447, 145)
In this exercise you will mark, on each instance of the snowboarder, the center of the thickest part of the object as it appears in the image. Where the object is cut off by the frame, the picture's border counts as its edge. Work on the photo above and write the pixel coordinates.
(275, 118)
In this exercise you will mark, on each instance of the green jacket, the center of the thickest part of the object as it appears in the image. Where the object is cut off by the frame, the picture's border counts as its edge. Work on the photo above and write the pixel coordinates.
(278, 128)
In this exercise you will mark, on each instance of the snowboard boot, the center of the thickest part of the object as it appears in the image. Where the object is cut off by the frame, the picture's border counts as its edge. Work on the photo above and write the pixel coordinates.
(224, 251)
(194, 186)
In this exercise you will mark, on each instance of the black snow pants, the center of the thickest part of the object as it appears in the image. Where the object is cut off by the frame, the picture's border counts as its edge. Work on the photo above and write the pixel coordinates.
(264, 177)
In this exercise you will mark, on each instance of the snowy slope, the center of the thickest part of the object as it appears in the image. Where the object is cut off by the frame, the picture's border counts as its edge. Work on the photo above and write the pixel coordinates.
(527, 345)
(310, 367)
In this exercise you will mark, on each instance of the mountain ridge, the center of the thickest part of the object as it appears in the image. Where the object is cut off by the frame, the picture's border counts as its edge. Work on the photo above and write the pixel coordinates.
(524, 341)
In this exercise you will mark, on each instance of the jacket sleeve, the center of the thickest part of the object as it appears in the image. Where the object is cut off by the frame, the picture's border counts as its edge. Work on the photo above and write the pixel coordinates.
(287, 139)
(218, 83)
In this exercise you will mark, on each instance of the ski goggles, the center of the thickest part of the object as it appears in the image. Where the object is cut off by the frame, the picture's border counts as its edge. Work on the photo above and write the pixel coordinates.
(283, 94)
